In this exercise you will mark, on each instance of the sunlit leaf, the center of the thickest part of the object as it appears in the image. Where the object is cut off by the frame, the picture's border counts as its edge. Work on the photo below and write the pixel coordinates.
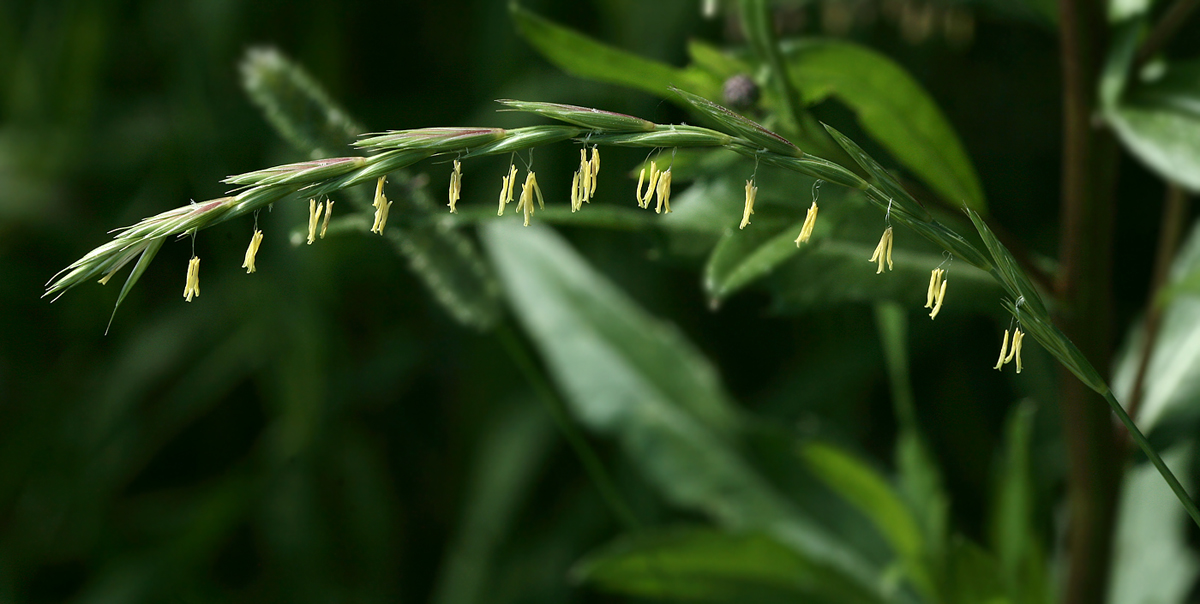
(1152, 560)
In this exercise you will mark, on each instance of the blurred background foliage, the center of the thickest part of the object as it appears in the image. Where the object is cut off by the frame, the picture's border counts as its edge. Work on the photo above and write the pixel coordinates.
(659, 408)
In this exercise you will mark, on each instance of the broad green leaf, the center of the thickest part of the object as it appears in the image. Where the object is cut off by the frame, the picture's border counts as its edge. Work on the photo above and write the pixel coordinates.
(587, 58)
(894, 109)
(295, 104)
(704, 565)
(1014, 538)
(1152, 560)
(1172, 383)
(633, 377)
(741, 257)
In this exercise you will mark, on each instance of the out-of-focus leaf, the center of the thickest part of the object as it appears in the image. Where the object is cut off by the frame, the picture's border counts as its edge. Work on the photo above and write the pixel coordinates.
(894, 109)
(1171, 396)
(870, 493)
(626, 374)
(920, 481)
(704, 565)
(587, 58)
(1152, 560)
(1014, 538)
(974, 575)
(744, 256)
(720, 64)
(507, 460)
(295, 104)
(1156, 117)
(443, 258)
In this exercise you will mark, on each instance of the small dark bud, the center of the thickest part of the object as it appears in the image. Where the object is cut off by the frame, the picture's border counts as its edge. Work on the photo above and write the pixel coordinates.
(741, 92)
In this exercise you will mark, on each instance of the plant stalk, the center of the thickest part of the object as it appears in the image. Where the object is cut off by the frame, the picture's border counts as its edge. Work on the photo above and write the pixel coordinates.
(1169, 233)
(1084, 286)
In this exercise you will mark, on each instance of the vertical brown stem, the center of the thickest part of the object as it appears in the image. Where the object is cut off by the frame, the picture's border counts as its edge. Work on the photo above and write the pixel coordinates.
(1084, 285)
(1169, 233)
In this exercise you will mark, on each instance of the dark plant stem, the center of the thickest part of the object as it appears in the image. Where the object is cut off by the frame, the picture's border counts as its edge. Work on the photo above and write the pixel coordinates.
(519, 353)
(1164, 31)
(1169, 233)
(1084, 286)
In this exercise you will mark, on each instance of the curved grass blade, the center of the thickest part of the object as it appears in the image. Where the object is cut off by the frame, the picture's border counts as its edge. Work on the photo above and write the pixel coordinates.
(142, 264)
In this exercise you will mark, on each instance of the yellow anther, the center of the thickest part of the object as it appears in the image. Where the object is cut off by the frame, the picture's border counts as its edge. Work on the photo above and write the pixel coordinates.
(934, 278)
(328, 213)
(506, 191)
(1003, 351)
(1019, 339)
(810, 220)
(576, 203)
(664, 193)
(883, 251)
(381, 207)
(192, 288)
(941, 296)
(314, 218)
(528, 190)
(751, 192)
(252, 251)
(455, 186)
(593, 171)
(638, 193)
(644, 200)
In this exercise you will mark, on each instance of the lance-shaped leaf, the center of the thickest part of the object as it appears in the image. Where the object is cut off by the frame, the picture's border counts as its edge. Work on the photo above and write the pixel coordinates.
(736, 124)
(635, 378)
(705, 565)
(1007, 268)
(891, 107)
(586, 117)
(587, 58)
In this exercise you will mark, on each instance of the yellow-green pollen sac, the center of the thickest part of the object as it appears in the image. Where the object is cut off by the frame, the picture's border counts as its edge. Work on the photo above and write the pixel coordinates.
(663, 193)
(252, 251)
(810, 220)
(192, 288)
(381, 207)
(883, 251)
(314, 219)
(751, 193)
(583, 184)
(1008, 353)
(455, 186)
(937, 292)
(528, 190)
(644, 199)
(328, 213)
(506, 190)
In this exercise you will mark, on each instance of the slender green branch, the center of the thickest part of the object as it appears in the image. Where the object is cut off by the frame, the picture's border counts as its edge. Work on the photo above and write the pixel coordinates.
(1144, 445)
